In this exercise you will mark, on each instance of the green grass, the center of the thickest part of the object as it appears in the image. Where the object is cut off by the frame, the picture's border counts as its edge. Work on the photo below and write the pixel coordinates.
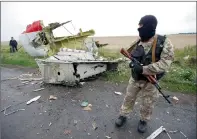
(20, 58)
(180, 78)
(187, 51)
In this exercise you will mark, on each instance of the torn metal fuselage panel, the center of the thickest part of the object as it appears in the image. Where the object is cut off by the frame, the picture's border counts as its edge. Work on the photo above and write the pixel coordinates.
(70, 59)
(71, 66)
(61, 72)
(39, 40)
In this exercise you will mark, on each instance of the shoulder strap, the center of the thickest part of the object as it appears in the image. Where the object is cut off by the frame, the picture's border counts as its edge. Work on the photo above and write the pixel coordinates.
(158, 40)
(153, 49)
(133, 45)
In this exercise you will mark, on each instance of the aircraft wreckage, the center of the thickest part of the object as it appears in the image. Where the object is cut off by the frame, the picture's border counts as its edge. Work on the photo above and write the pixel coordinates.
(63, 63)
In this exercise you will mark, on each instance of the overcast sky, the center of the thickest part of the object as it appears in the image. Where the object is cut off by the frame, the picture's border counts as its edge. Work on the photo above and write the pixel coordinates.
(106, 18)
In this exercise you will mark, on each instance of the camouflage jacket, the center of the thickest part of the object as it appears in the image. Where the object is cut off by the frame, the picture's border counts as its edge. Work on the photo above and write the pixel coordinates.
(166, 58)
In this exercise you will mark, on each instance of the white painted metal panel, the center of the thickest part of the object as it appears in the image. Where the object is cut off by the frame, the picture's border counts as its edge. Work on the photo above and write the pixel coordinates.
(25, 39)
(90, 69)
(57, 72)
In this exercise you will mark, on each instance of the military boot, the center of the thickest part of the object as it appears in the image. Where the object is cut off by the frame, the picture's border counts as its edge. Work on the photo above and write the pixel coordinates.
(142, 126)
(120, 121)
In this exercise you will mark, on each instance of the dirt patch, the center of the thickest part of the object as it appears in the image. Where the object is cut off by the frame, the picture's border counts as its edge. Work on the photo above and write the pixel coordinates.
(179, 41)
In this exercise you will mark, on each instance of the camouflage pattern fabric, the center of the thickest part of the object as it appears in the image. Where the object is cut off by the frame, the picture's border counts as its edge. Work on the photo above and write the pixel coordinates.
(167, 57)
(149, 91)
(149, 97)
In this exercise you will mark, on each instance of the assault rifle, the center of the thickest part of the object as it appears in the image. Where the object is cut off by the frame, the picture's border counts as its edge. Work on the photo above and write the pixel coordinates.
(149, 77)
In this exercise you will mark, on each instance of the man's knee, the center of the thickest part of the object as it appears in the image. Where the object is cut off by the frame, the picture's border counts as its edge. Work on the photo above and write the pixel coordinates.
(150, 91)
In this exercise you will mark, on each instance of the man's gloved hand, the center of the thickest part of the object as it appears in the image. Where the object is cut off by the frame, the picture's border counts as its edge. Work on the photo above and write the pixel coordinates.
(137, 68)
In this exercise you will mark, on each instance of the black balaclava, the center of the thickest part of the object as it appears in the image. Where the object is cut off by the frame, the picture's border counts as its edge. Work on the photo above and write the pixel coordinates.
(147, 31)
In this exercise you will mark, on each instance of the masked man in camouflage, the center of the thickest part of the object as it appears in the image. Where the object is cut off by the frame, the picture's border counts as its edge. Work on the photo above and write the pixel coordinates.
(155, 65)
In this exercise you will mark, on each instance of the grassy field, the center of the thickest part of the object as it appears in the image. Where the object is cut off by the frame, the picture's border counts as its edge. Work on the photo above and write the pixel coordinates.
(180, 78)
(20, 58)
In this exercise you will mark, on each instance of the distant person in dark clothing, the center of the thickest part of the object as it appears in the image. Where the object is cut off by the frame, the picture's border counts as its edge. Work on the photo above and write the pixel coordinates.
(13, 45)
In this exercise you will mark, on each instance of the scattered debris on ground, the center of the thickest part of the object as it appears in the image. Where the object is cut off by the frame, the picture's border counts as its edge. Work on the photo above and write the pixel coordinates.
(38, 89)
(12, 78)
(183, 134)
(5, 108)
(82, 83)
(175, 99)
(22, 84)
(66, 132)
(33, 99)
(26, 75)
(162, 129)
(84, 103)
(156, 133)
(94, 126)
(88, 108)
(52, 97)
(186, 57)
(118, 93)
(173, 132)
(30, 79)
(40, 82)
(50, 124)
(108, 137)
(13, 112)
(89, 134)
(25, 82)
(75, 122)
(73, 100)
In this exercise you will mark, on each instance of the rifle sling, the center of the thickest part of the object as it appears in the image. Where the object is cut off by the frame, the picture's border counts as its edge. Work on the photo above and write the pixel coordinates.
(153, 49)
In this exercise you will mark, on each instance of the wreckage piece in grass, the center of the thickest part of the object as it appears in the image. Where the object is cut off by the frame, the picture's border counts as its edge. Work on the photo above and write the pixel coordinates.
(70, 59)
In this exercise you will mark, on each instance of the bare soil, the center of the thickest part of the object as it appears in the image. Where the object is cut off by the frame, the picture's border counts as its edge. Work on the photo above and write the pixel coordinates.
(179, 41)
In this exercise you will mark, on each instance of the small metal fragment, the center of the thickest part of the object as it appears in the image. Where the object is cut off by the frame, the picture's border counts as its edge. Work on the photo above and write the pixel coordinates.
(25, 82)
(5, 108)
(67, 132)
(183, 134)
(50, 124)
(156, 133)
(118, 93)
(75, 122)
(39, 89)
(14, 112)
(173, 131)
(94, 126)
(89, 134)
(52, 97)
(33, 99)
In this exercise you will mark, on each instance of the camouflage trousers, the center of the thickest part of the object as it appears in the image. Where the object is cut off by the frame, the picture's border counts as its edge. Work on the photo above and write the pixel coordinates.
(149, 96)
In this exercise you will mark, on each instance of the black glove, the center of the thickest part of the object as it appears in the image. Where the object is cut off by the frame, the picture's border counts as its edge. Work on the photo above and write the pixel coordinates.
(137, 68)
